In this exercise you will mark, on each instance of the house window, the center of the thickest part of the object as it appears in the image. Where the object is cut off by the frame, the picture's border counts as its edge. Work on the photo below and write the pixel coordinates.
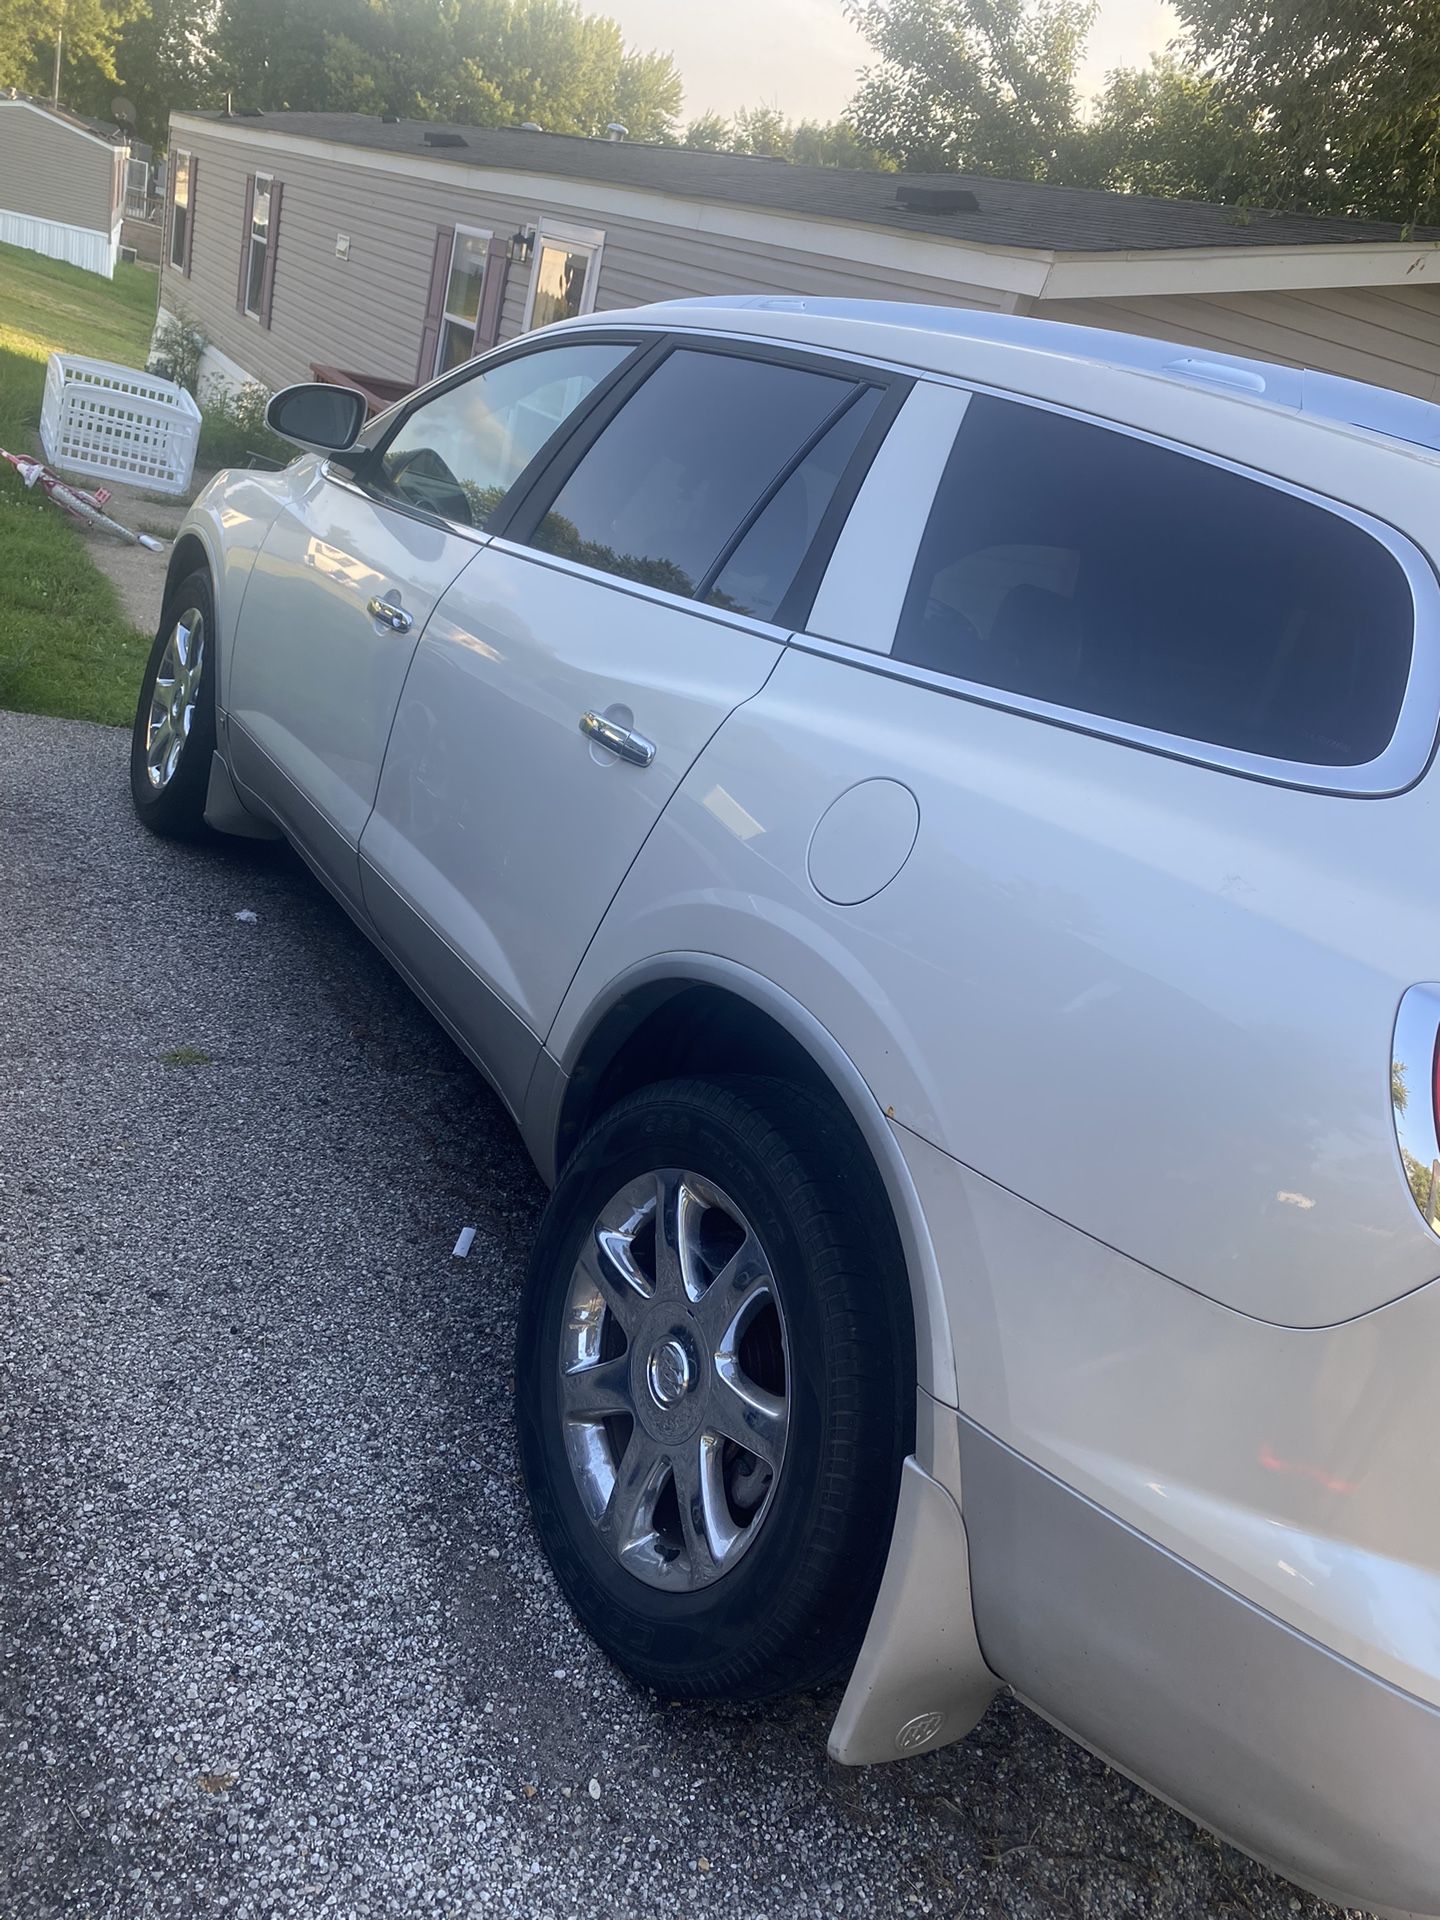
(180, 212)
(259, 248)
(462, 299)
(565, 275)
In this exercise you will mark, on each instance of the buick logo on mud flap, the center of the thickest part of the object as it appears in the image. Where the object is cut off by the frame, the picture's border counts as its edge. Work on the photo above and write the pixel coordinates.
(916, 1732)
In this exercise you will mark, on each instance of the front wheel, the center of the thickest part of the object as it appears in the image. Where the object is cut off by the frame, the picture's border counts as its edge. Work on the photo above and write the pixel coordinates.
(715, 1385)
(174, 733)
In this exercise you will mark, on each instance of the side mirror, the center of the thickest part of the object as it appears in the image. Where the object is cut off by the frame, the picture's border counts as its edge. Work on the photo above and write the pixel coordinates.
(320, 418)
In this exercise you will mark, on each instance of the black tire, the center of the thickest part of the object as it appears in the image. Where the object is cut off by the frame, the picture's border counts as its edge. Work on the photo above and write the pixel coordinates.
(792, 1611)
(176, 808)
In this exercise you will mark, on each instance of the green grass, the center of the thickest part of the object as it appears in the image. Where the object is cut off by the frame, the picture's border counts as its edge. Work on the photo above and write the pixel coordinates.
(65, 645)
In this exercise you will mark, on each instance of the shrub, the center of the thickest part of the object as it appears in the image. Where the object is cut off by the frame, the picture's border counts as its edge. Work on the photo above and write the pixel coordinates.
(233, 432)
(175, 352)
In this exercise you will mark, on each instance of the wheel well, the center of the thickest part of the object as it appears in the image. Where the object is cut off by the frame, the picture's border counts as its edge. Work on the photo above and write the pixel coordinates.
(671, 1028)
(189, 555)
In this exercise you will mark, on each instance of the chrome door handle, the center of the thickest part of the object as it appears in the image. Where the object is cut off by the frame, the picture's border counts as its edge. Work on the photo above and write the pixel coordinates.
(390, 615)
(623, 742)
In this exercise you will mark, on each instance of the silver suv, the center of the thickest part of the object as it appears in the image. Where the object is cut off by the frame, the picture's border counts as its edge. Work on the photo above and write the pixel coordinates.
(919, 816)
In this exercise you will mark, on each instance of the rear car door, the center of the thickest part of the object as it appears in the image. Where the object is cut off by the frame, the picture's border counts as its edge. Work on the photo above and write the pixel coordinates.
(349, 574)
(639, 592)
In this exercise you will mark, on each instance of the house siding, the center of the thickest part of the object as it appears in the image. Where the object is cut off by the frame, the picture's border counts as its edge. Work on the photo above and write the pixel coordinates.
(1387, 335)
(52, 172)
(366, 313)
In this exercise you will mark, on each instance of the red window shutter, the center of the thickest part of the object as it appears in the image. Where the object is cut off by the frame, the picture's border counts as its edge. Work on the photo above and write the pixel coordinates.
(272, 241)
(245, 241)
(190, 215)
(492, 295)
(435, 304)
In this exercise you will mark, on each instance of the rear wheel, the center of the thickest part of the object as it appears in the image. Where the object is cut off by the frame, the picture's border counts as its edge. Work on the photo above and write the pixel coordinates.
(715, 1383)
(174, 734)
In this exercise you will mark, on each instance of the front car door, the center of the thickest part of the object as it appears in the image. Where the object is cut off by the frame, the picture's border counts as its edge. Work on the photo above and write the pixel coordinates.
(349, 574)
(573, 673)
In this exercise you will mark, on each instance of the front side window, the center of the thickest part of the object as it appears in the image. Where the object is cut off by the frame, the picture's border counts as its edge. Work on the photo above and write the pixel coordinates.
(462, 299)
(180, 212)
(562, 281)
(1096, 571)
(671, 483)
(458, 454)
(259, 246)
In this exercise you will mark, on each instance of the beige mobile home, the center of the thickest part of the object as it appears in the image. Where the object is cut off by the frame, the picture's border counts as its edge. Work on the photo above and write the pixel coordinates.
(62, 183)
(389, 250)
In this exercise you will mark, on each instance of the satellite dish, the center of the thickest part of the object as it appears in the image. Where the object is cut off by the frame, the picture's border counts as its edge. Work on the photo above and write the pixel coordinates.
(121, 111)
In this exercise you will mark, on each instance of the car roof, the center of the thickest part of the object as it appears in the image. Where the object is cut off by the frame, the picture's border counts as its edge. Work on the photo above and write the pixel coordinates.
(934, 338)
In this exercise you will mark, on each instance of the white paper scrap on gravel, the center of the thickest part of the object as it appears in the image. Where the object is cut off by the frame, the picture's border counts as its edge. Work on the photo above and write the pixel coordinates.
(248, 917)
(464, 1243)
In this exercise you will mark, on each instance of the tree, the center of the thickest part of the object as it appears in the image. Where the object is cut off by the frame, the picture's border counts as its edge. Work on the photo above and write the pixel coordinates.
(28, 32)
(986, 85)
(711, 133)
(1164, 129)
(1343, 97)
(486, 62)
(765, 131)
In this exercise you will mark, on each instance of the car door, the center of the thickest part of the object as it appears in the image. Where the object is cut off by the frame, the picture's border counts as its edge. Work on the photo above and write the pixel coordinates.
(577, 667)
(350, 572)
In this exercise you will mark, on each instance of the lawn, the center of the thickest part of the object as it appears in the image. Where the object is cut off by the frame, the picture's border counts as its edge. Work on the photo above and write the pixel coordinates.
(65, 645)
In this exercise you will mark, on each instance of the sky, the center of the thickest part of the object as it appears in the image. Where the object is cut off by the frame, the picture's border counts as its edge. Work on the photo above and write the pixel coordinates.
(803, 55)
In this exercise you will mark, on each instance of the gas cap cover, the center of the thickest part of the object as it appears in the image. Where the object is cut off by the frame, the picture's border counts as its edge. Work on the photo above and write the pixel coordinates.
(862, 841)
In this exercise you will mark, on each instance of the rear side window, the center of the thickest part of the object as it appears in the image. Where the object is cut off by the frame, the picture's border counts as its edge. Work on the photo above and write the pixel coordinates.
(673, 481)
(1096, 571)
(764, 561)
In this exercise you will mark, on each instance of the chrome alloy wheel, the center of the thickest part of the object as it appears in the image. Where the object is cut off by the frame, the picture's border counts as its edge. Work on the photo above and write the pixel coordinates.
(172, 703)
(674, 1380)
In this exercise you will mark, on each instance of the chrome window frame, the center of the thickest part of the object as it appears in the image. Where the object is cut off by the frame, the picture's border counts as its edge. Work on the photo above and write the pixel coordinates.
(1396, 768)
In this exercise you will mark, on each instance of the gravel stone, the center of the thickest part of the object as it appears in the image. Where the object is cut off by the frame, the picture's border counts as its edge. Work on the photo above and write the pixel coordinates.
(275, 1636)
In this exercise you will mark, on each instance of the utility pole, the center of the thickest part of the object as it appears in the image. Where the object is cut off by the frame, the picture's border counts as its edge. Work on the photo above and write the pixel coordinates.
(59, 42)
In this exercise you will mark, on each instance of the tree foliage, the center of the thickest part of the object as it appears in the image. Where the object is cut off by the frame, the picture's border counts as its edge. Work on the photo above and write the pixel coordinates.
(983, 85)
(1343, 97)
(91, 28)
(487, 62)
(766, 131)
(1165, 129)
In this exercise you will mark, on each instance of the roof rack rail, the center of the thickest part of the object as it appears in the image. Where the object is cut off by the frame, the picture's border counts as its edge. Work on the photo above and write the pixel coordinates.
(1323, 396)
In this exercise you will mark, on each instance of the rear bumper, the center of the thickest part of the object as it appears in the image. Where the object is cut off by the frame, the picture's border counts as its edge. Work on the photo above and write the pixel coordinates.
(1258, 1731)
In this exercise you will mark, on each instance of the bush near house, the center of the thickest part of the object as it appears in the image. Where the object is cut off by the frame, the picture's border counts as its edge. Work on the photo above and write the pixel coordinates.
(65, 645)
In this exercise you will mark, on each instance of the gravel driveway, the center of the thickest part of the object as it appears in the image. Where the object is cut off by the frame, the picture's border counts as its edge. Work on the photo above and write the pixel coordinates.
(275, 1637)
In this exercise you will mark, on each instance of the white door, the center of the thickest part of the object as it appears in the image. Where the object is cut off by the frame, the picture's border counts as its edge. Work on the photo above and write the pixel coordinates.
(578, 666)
(350, 573)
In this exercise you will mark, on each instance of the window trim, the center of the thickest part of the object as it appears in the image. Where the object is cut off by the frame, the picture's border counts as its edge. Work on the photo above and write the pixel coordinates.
(458, 319)
(1399, 766)
(182, 265)
(563, 233)
(258, 313)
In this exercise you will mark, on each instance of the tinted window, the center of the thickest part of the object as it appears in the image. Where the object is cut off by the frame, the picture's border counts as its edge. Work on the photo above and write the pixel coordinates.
(761, 567)
(1095, 571)
(674, 475)
(457, 454)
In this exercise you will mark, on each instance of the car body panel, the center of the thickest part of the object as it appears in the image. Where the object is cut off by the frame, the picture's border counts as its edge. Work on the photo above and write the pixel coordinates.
(316, 678)
(514, 871)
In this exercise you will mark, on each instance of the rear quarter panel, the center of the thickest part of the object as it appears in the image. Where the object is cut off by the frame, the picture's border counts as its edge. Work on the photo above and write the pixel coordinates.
(1152, 998)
